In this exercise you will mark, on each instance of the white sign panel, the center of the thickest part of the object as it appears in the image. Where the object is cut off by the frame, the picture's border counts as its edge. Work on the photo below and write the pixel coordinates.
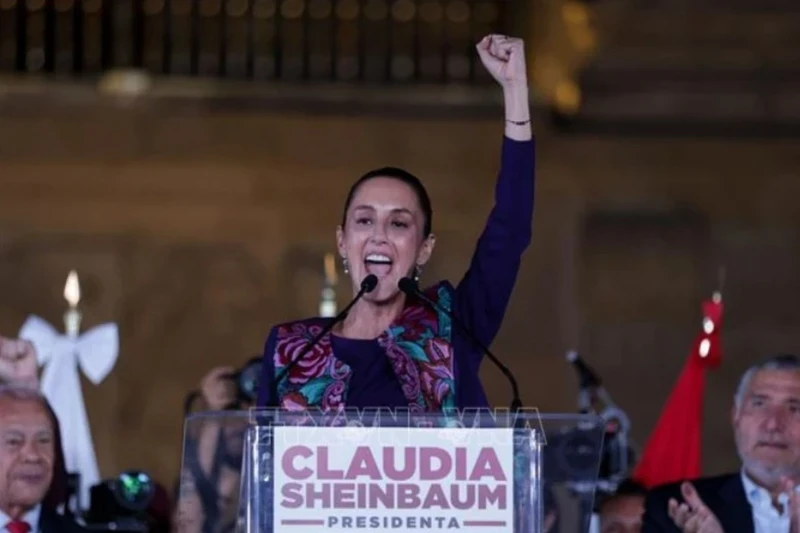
(393, 479)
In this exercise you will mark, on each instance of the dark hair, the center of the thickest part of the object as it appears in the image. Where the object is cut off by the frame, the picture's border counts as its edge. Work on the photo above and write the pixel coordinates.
(630, 487)
(59, 487)
(627, 488)
(400, 175)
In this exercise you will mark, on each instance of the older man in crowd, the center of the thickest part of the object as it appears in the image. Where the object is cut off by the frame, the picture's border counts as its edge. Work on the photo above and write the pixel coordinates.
(763, 496)
(19, 372)
(27, 457)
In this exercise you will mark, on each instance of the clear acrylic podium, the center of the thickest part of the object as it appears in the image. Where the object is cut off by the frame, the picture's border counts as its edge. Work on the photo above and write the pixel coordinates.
(274, 471)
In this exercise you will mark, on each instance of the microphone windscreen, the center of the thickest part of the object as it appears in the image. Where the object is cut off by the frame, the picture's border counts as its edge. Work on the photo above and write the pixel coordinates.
(408, 286)
(369, 283)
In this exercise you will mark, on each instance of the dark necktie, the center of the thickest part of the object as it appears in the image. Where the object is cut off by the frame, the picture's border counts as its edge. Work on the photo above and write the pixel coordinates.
(18, 526)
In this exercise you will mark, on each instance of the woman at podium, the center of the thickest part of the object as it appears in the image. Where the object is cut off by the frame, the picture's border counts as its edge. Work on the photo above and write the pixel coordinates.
(393, 349)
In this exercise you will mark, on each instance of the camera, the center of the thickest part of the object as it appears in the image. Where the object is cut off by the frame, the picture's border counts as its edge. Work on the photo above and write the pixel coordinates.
(571, 457)
(121, 504)
(247, 381)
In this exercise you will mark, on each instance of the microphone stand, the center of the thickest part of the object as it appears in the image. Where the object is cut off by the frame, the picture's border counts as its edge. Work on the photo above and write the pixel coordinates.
(593, 398)
(410, 287)
(367, 285)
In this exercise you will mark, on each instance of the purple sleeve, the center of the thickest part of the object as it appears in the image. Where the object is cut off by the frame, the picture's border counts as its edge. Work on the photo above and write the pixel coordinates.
(482, 296)
(266, 387)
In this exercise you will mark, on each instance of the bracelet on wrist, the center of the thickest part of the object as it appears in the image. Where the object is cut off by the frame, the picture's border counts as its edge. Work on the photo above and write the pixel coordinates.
(519, 122)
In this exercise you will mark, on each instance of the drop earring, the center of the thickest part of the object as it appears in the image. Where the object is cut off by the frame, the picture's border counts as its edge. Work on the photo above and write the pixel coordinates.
(417, 272)
(345, 266)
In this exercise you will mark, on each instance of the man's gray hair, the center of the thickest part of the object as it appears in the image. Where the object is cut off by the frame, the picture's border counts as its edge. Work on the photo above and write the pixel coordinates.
(786, 362)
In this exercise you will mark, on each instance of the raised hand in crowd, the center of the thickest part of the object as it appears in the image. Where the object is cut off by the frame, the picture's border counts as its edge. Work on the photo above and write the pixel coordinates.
(18, 363)
(217, 390)
(549, 521)
(794, 504)
(693, 516)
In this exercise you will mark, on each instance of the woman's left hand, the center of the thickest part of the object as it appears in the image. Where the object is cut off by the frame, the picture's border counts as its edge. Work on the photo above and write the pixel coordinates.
(504, 58)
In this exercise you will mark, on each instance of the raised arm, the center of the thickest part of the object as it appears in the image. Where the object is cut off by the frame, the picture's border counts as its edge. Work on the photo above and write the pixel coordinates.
(483, 294)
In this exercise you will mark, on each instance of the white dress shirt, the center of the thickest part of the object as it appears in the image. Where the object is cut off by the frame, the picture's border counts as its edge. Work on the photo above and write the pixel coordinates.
(766, 518)
(31, 517)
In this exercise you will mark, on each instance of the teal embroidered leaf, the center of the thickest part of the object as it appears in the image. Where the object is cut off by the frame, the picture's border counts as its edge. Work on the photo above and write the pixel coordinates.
(426, 335)
(444, 318)
(444, 298)
(414, 351)
(314, 390)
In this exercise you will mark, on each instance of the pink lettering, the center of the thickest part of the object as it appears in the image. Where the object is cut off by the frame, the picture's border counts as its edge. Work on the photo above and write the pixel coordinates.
(424, 463)
(390, 464)
(323, 470)
(435, 499)
(323, 495)
(407, 496)
(344, 496)
(461, 464)
(382, 497)
(292, 495)
(487, 465)
(430, 459)
(287, 462)
(363, 464)
(488, 496)
(462, 499)
(347, 495)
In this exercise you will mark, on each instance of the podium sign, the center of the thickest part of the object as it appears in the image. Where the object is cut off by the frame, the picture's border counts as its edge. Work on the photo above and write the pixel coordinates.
(272, 471)
(387, 479)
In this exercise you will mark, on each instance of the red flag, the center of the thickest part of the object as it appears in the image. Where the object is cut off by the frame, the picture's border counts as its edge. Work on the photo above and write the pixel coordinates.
(673, 451)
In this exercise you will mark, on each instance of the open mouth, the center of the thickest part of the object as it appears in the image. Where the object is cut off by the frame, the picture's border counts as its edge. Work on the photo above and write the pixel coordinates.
(378, 264)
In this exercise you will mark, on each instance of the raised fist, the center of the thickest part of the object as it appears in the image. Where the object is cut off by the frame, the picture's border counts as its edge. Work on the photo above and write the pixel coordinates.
(18, 363)
(504, 58)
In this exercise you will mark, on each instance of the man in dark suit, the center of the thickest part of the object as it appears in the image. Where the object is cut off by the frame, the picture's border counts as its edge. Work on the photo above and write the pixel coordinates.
(27, 457)
(762, 496)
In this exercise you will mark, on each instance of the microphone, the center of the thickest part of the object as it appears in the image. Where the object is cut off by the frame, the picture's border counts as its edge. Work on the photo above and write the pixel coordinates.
(368, 285)
(617, 456)
(588, 377)
(410, 288)
(591, 390)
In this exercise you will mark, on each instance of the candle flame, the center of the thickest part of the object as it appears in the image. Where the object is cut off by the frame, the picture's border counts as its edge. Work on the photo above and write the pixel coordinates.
(72, 289)
(330, 269)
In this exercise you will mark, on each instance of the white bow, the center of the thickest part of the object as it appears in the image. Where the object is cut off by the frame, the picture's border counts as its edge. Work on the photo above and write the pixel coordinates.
(96, 353)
